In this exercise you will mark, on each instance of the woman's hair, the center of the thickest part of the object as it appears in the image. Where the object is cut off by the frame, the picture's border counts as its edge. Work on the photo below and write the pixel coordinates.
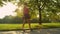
(25, 3)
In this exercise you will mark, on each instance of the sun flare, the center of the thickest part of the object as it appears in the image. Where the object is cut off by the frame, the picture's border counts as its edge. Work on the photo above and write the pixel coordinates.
(7, 10)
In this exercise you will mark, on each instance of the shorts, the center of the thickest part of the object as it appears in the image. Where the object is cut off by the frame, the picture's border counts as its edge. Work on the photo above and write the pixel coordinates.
(26, 16)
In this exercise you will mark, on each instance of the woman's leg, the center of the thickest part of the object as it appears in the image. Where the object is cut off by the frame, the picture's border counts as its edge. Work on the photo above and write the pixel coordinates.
(28, 21)
(23, 24)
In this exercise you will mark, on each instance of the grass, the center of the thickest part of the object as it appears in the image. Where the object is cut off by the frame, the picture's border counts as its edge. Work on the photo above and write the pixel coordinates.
(15, 26)
(33, 25)
(51, 25)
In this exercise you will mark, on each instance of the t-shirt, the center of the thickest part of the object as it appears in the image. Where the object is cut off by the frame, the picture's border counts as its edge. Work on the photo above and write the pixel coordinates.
(26, 10)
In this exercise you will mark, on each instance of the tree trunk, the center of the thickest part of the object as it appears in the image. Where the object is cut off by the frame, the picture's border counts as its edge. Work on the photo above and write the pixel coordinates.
(40, 22)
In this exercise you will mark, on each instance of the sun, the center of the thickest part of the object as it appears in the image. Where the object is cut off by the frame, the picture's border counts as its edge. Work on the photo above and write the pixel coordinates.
(7, 10)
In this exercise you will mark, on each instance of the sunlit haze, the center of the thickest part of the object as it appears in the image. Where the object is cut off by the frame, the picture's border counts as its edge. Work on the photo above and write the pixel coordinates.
(7, 10)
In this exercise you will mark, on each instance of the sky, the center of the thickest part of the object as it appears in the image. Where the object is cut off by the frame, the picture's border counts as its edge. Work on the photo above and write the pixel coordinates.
(7, 10)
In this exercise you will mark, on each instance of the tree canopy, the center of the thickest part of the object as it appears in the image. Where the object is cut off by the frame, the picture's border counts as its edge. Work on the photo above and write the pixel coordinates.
(43, 10)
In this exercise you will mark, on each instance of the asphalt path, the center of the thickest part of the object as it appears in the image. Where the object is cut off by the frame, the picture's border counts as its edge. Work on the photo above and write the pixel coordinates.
(37, 31)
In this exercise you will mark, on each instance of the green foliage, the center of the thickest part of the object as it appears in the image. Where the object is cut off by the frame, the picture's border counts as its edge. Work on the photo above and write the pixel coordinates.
(48, 6)
(47, 9)
(11, 20)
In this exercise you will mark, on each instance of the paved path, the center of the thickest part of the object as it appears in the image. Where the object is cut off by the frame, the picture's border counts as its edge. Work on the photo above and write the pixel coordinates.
(41, 31)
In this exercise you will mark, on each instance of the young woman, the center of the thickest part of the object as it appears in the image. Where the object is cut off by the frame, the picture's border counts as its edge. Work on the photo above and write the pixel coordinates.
(26, 17)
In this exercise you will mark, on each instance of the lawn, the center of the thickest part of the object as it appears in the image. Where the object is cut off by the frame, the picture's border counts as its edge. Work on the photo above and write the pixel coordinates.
(51, 25)
(33, 25)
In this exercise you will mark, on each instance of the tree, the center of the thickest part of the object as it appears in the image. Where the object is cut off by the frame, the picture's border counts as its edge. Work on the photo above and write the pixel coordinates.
(44, 7)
